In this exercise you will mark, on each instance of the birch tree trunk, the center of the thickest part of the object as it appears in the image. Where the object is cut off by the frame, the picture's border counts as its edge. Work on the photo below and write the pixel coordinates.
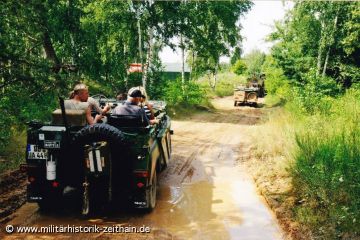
(148, 61)
(326, 61)
(140, 51)
(182, 63)
(126, 63)
(213, 80)
(331, 42)
(72, 32)
(149, 56)
(210, 81)
(319, 57)
(215, 75)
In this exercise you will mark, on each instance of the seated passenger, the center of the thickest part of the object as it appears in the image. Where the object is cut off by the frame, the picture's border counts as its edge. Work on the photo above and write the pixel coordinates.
(78, 101)
(94, 105)
(131, 106)
(144, 103)
(148, 107)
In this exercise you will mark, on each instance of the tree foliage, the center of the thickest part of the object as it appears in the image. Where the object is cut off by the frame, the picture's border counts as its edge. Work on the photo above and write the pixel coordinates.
(239, 67)
(47, 46)
(254, 61)
(236, 55)
(321, 37)
(214, 29)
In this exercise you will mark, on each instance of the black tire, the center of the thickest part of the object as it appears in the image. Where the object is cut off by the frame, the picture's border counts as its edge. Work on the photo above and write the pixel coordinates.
(97, 194)
(88, 135)
(98, 132)
(151, 193)
(235, 103)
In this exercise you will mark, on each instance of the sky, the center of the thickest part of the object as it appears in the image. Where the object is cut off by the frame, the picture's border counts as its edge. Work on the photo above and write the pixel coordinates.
(257, 24)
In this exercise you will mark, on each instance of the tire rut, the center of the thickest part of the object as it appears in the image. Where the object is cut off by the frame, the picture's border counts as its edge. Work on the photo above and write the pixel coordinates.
(12, 193)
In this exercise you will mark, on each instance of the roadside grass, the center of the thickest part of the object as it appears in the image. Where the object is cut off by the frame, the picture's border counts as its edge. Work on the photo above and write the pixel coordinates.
(274, 101)
(326, 170)
(183, 110)
(277, 136)
(14, 153)
(313, 164)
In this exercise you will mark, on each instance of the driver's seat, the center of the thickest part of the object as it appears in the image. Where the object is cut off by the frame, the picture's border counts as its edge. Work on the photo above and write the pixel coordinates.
(127, 121)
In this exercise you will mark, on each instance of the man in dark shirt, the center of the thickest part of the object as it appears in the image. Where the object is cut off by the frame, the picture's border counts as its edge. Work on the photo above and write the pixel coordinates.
(131, 106)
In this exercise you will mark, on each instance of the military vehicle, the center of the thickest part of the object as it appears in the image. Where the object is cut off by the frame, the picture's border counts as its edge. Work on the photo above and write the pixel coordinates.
(250, 93)
(244, 95)
(106, 164)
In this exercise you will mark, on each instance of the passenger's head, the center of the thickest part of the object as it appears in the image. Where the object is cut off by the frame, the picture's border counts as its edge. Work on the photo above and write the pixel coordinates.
(80, 92)
(134, 95)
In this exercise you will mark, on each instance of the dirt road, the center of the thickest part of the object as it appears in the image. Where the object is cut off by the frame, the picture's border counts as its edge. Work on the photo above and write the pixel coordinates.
(204, 194)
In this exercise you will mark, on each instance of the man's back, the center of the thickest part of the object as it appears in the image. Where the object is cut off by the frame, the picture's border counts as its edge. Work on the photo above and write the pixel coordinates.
(75, 105)
(129, 108)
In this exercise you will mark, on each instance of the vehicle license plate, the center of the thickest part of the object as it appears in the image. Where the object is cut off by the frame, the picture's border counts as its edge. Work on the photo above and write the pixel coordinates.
(35, 152)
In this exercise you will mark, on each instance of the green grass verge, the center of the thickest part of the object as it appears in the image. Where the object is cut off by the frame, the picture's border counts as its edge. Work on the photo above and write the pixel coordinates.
(184, 110)
(322, 156)
(326, 170)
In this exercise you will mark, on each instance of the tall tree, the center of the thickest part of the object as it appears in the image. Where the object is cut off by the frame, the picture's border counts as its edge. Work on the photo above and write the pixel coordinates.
(313, 38)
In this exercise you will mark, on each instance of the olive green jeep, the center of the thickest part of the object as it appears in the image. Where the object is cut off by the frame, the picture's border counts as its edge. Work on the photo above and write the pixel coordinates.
(107, 164)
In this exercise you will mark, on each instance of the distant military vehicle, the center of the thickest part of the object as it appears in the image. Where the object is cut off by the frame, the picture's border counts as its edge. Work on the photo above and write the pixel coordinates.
(258, 81)
(250, 93)
(244, 95)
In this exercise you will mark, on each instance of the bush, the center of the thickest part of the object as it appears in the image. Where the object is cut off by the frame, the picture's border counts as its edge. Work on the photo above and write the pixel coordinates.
(190, 93)
(254, 61)
(275, 83)
(316, 94)
(18, 108)
(306, 100)
(239, 67)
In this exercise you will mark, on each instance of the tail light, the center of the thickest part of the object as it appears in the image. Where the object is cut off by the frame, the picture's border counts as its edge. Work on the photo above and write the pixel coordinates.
(55, 184)
(140, 184)
(143, 174)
